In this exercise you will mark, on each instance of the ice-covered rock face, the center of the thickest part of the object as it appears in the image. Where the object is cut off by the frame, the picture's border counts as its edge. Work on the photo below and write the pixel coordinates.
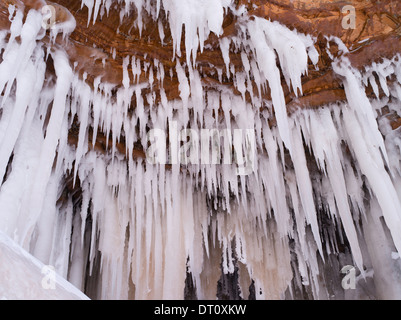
(281, 201)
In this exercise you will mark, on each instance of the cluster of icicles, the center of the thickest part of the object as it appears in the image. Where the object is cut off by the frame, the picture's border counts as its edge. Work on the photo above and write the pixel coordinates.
(141, 229)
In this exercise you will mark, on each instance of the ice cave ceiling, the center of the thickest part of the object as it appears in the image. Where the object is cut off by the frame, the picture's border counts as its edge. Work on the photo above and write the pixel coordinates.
(321, 101)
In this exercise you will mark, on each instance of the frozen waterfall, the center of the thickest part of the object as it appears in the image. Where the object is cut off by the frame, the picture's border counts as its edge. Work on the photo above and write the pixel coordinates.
(280, 207)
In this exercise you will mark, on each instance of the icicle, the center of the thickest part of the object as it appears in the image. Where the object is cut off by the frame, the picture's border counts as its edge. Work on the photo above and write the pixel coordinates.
(324, 135)
(304, 185)
(372, 167)
(26, 274)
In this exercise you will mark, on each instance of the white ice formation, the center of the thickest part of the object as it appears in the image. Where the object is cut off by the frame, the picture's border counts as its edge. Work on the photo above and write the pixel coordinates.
(25, 277)
(324, 190)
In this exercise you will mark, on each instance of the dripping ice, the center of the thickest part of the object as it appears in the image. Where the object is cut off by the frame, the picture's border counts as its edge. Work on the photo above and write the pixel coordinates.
(145, 226)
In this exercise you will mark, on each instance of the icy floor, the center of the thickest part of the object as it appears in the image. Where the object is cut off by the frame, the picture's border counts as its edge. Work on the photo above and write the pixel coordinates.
(324, 187)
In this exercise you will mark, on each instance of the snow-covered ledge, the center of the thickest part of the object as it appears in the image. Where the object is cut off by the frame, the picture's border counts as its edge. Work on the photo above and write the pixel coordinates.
(22, 276)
